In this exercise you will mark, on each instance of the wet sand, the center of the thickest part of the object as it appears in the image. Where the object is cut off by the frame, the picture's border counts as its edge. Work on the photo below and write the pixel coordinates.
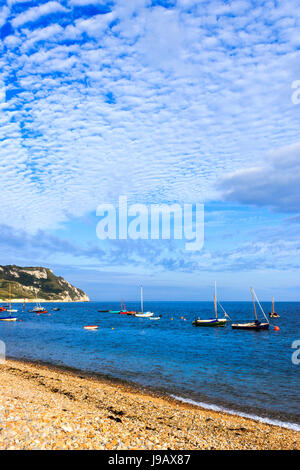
(46, 407)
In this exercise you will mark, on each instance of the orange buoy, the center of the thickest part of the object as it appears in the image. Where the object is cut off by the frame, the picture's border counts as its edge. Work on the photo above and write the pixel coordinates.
(276, 328)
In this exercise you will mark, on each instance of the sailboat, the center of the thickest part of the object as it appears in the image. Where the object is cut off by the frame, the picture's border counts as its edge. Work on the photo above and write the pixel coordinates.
(143, 314)
(212, 321)
(273, 314)
(8, 317)
(256, 325)
(38, 309)
(124, 310)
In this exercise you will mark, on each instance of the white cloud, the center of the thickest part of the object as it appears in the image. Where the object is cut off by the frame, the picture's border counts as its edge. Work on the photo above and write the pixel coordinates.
(86, 2)
(96, 25)
(4, 13)
(34, 13)
(158, 105)
(274, 183)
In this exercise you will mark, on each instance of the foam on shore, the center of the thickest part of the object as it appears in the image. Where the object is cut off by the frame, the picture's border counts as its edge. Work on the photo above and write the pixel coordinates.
(261, 419)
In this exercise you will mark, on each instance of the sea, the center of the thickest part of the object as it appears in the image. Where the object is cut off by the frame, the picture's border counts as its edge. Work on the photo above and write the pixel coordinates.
(250, 373)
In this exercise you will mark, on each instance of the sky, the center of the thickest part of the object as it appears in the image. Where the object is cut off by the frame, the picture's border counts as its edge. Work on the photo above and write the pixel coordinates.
(162, 102)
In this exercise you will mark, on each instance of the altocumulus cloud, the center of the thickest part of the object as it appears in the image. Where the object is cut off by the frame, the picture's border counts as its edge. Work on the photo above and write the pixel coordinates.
(154, 100)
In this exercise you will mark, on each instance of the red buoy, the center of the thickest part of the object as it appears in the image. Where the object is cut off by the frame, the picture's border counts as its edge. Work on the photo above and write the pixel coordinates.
(276, 328)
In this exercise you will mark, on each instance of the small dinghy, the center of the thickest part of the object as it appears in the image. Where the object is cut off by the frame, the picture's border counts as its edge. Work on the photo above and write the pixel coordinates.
(103, 311)
(91, 327)
(255, 325)
(55, 309)
(155, 318)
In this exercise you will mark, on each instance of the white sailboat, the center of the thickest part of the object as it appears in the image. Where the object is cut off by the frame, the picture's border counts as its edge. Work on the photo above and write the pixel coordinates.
(143, 314)
(38, 308)
(9, 317)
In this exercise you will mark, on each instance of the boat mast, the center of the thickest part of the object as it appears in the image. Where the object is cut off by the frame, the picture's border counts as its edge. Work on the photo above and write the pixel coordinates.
(273, 309)
(254, 303)
(142, 304)
(9, 299)
(215, 300)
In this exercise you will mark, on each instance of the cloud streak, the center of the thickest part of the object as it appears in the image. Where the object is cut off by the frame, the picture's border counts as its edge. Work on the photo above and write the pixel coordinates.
(274, 183)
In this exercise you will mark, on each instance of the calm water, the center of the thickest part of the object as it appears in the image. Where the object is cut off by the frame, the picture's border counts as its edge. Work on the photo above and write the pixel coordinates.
(246, 371)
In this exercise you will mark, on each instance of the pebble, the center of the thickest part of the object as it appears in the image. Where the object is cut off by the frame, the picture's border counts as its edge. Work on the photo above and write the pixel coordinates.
(50, 408)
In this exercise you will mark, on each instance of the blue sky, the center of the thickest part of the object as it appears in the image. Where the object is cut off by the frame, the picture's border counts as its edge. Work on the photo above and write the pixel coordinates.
(163, 101)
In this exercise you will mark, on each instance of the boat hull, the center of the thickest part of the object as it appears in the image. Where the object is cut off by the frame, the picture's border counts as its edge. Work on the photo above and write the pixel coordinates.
(144, 315)
(8, 318)
(250, 326)
(212, 322)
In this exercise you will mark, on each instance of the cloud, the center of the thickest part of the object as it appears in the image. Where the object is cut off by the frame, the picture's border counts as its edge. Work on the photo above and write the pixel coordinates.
(156, 103)
(34, 13)
(96, 25)
(86, 2)
(275, 183)
(4, 13)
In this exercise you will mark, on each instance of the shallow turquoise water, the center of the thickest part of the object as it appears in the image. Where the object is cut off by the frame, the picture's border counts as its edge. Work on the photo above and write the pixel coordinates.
(242, 370)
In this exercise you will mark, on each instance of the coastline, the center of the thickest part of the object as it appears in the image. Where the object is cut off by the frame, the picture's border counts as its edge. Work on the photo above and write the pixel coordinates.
(53, 407)
(32, 301)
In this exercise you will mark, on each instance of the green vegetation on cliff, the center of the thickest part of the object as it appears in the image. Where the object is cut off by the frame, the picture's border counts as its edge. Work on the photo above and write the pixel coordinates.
(40, 282)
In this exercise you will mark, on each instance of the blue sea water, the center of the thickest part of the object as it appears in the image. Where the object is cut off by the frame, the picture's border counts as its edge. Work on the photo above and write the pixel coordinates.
(245, 371)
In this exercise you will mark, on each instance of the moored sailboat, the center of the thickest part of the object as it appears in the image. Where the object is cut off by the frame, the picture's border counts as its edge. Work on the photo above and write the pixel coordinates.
(124, 310)
(143, 314)
(273, 314)
(255, 325)
(38, 308)
(8, 317)
(212, 321)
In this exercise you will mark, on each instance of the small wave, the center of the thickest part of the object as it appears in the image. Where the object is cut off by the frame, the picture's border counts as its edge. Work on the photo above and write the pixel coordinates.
(208, 406)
